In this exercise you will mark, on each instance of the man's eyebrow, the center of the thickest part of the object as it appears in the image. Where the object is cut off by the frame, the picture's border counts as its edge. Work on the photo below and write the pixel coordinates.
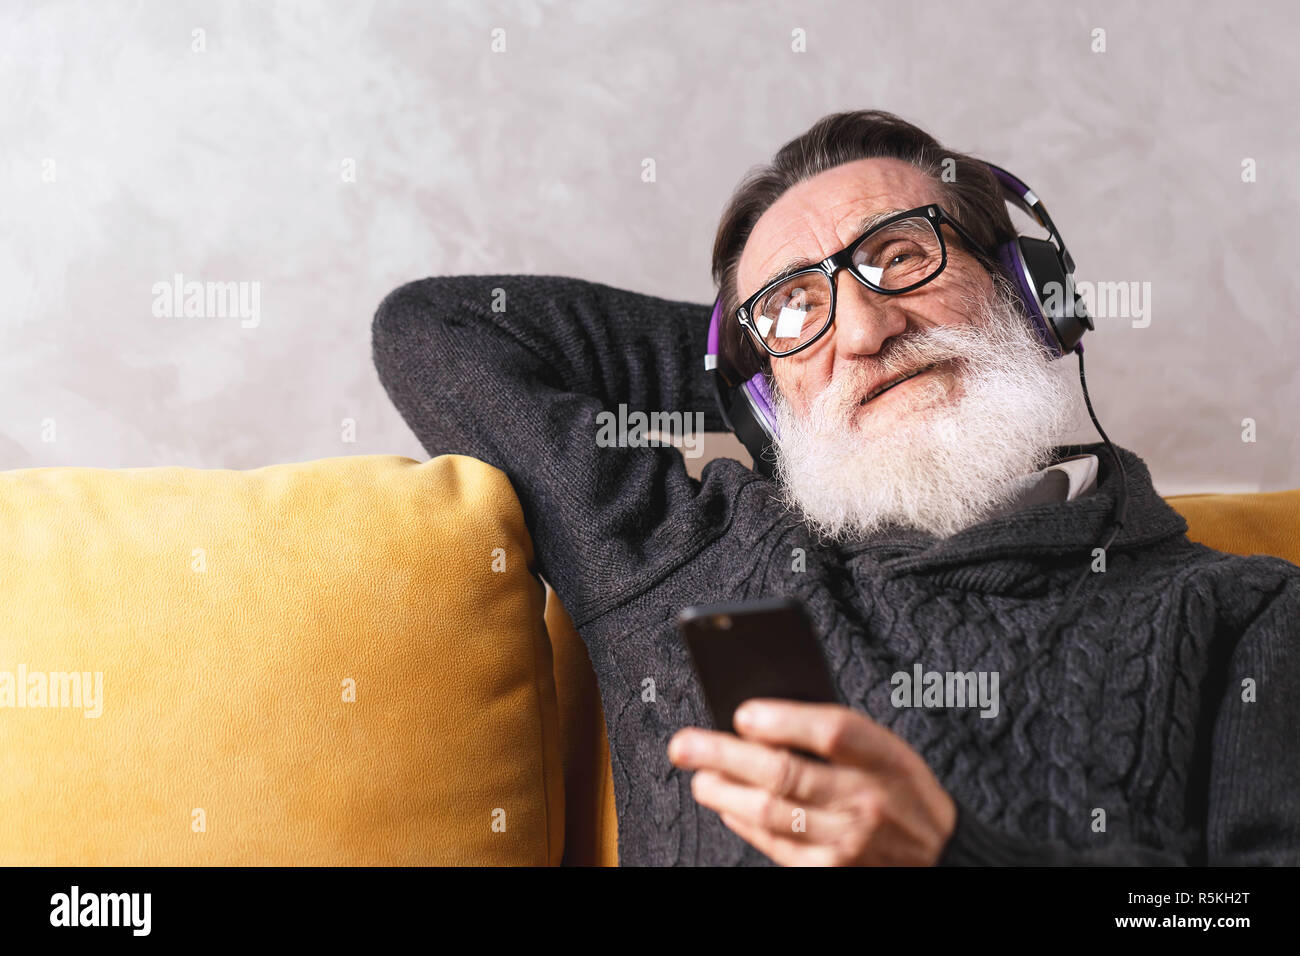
(794, 265)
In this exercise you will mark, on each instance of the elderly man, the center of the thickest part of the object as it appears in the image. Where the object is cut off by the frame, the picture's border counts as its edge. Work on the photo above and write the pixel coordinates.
(919, 504)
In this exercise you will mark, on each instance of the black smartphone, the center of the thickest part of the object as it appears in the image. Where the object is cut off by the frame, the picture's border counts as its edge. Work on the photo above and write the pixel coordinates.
(763, 648)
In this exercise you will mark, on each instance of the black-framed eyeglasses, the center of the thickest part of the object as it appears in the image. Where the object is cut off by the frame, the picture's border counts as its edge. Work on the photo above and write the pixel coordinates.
(898, 255)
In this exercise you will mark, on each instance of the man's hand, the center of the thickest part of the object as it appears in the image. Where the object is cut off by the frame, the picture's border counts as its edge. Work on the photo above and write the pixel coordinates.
(876, 803)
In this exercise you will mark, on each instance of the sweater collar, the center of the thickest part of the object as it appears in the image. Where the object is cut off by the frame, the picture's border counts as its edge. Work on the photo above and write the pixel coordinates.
(1056, 528)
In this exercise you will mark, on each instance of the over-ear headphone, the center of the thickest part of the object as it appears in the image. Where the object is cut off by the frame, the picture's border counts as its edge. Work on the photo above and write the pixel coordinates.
(1041, 271)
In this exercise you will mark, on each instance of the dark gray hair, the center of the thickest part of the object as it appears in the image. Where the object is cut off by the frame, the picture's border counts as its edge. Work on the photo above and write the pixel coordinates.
(973, 196)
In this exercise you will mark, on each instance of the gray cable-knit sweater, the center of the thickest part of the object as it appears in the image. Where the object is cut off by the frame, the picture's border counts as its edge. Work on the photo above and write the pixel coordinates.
(1159, 727)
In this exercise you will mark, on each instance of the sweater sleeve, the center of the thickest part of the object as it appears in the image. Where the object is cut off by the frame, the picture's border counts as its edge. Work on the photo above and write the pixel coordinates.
(528, 373)
(1253, 808)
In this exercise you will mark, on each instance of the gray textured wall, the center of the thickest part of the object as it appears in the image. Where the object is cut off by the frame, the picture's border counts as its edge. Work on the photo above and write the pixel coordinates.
(128, 157)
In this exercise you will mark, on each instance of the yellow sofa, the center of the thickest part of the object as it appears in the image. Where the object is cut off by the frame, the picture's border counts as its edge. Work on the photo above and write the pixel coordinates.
(349, 661)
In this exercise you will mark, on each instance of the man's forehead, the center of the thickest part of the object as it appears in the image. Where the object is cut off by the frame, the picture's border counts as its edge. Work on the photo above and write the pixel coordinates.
(821, 215)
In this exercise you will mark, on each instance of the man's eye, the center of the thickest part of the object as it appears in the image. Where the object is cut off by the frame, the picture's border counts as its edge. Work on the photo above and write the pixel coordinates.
(801, 299)
(897, 253)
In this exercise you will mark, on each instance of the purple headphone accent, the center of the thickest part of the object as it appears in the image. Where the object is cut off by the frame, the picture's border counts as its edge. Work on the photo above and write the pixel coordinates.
(1012, 260)
(1013, 264)
(752, 401)
(1012, 185)
(762, 397)
(756, 387)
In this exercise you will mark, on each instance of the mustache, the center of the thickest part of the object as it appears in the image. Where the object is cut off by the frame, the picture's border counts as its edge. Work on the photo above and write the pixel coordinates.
(906, 353)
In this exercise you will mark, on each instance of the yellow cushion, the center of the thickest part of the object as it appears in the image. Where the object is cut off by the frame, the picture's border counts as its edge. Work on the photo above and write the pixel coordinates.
(1262, 523)
(227, 611)
(591, 820)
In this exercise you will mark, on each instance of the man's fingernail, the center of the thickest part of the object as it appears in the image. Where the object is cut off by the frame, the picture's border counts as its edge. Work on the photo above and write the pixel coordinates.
(750, 717)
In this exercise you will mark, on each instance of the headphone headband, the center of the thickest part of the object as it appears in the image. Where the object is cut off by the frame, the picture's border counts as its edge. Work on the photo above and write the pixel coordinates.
(1020, 195)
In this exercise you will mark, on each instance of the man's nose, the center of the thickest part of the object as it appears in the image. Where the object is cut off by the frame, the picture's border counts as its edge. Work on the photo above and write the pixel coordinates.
(864, 320)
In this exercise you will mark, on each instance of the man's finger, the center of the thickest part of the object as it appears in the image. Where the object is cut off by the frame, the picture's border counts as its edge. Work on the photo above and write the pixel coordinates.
(774, 769)
(764, 810)
(837, 733)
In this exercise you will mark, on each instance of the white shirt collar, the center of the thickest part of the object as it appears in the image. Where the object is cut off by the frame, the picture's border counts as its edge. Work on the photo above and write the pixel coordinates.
(1081, 470)
(1077, 475)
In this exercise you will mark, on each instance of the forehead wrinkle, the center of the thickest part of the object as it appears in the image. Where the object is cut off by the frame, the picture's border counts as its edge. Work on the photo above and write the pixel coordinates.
(795, 262)
(799, 209)
(809, 204)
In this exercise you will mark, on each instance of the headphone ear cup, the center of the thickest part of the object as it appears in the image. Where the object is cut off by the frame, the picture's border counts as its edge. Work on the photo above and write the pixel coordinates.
(1055, 310)
(1060, 308)
(754, 422)
(1018, 263)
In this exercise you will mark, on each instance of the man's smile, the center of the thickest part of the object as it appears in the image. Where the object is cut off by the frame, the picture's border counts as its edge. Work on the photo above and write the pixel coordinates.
(900, 379)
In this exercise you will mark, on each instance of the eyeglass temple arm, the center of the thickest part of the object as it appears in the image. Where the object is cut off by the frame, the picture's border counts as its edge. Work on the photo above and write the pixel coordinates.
(961, 231)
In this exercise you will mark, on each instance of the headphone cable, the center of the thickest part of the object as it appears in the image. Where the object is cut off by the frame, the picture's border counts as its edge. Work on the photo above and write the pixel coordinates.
(1121, 506)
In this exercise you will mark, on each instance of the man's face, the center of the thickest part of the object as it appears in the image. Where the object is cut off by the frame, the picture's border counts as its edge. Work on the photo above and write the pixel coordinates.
(821, 216)
(944, 447)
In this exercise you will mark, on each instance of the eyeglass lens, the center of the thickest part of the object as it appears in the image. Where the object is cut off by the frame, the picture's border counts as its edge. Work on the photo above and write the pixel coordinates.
(892, 259)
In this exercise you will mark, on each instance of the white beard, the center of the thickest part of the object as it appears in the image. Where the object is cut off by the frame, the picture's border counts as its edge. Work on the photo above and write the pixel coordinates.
(942, 468)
